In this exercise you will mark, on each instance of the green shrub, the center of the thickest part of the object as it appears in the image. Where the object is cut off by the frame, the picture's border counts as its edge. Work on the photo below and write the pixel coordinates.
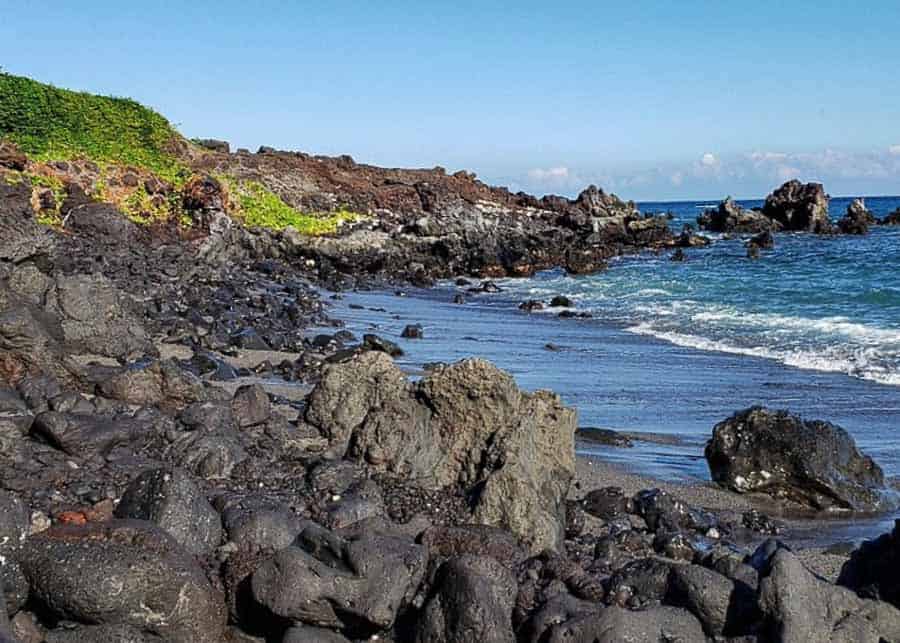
(49, 123)
(52, 124)
(257, 206)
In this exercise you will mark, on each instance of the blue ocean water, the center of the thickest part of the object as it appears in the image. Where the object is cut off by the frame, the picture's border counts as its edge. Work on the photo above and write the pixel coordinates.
(812, 326)
(829, 304)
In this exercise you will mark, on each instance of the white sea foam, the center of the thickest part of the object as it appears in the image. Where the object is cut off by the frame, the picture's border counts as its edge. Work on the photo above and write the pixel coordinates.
(864, 333)
(864, 362)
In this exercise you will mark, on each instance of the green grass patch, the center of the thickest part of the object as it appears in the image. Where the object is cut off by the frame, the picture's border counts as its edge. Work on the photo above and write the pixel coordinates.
(257, 206)
(49, 123)
(144, 209)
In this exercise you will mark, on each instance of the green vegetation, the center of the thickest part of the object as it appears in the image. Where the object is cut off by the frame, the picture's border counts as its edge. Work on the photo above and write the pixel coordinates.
(54, 183)
(142, 208)
(49, 123)
(52, 124)
(257, 206)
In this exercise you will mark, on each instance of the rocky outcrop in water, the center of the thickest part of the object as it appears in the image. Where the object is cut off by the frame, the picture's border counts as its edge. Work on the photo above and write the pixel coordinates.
(731, 217)
(891, 219)
(813, 463)
(800, 207)
(857, 220)
(793, 207)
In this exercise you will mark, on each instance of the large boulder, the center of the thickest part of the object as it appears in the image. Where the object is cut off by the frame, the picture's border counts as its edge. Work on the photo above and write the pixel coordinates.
(96, 317)
(32, 339)
(82, 435)
(728, 216)
(42, 318)
(170, 499)
(473, 601)
(814, 463)
(873, 570)
(467, 426)
(328, 581)
(723, 606)
(801, 207)
(102, 223)
(798, 607)
(21, 237)
(152, 382)
(123, 572)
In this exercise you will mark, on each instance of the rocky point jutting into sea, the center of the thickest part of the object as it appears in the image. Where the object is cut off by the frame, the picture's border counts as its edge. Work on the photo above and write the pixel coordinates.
(183, 458)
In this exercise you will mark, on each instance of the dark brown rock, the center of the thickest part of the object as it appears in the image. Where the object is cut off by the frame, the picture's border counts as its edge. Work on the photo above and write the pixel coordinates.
(799, 207)
(123, 573)
(811, 462)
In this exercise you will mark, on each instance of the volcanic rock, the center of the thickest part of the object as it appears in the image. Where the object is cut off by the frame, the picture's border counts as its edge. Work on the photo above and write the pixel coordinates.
(814, 463)
(123, 572)
(872, 571)
(473, 601)
(731, 217)
(798, 607)
(326, 581)
(857, 220)
(170, 499)
(801, 207)
(467, 426)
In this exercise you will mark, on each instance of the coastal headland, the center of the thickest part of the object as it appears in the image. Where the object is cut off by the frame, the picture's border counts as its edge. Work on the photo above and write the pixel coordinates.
(186, 456)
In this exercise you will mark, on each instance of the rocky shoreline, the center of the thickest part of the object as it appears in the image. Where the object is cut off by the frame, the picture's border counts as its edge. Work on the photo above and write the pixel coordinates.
(153, 489)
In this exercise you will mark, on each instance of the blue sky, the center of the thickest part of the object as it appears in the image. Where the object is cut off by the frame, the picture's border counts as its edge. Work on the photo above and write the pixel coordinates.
(653, 100)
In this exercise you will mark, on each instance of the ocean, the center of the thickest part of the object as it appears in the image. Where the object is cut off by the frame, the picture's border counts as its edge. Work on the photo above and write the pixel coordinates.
(813, 326)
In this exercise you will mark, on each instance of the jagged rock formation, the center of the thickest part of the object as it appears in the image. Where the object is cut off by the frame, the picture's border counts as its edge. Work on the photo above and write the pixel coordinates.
(467, 426)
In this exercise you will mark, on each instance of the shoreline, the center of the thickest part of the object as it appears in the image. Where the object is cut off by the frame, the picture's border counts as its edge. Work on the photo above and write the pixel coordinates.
(170, 408)
(822, 542)
(615, 467)
(659, 379)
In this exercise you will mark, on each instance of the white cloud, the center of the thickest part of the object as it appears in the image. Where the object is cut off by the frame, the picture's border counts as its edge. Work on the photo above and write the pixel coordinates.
(767, 156)
(549, 174)
(750, 173)
(787, 172)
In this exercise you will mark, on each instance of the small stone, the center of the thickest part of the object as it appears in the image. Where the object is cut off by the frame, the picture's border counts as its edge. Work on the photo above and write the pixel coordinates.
(412, 331)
